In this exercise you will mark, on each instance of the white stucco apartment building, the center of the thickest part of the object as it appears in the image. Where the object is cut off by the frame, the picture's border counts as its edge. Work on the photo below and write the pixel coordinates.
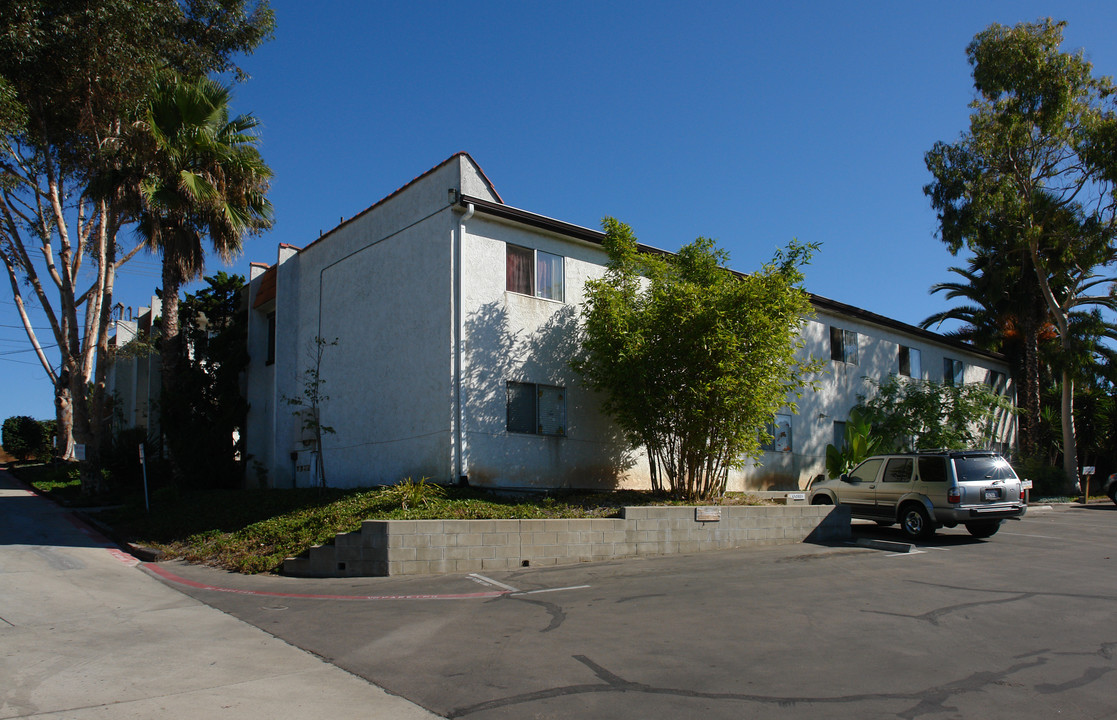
(454, 316)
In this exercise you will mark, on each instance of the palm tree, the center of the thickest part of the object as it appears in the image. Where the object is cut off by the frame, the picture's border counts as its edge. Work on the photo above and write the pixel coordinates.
(203, 177)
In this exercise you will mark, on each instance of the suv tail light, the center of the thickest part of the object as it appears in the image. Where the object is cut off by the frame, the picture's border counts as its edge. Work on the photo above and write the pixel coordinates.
(1021, 493)
(954, 495)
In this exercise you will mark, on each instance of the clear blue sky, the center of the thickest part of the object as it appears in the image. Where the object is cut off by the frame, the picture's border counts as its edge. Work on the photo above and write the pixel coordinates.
(749, 123)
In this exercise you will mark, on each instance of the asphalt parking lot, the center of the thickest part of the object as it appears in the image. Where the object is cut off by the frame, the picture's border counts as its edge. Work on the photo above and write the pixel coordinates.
(1022, 625)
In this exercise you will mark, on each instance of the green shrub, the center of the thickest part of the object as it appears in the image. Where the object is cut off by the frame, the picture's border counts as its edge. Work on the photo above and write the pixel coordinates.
(25, 437)
(1047, 479)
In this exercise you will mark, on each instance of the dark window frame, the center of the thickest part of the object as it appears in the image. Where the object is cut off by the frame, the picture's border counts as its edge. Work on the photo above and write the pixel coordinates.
(841, 341)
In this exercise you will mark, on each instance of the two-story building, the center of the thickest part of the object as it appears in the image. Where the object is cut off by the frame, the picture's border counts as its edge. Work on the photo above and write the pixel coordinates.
(455, 319)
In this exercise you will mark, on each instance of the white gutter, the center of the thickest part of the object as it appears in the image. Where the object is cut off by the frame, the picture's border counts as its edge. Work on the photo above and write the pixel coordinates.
(459, 450)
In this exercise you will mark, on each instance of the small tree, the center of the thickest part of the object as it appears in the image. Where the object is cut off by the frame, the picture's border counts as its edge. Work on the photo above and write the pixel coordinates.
(694, 360)
(309, 403)
(923, 414)
(25, 437)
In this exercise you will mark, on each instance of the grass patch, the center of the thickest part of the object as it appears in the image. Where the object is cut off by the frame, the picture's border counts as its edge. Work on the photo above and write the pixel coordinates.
(60, 481)
(253, 531)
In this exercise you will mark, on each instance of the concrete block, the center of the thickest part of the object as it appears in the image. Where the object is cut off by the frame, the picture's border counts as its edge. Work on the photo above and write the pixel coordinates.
(602, 550)
(481, 551)
(544, 538)
(496, 538)
(430, 553)
(577, 524)
(634, 513)
(458, 526)
(471, 565)
(533, 526)
(442, 566)
(416, 541)
(427, 526)
(504, 526)
(401, 527)
(507, 551)
(456, 553)
(402, 554)
(498, 563)
(469, 539)
(415, 567)
(347, 540)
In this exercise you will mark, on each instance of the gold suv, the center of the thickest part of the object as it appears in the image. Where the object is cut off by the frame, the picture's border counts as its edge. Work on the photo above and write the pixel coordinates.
(926, 490)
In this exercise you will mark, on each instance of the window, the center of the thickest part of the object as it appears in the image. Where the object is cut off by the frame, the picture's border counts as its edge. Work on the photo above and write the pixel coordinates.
(953, 372)
(997, 381)
(780, 430)
(866, 471)
(533, 272)
(910, 363)
(536, 409)
(843, 345)
(839, 435)
(898, 470)
(271, 339)
(932, 469)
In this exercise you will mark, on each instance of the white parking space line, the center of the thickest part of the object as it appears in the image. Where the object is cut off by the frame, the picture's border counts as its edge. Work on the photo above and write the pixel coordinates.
(910, 552)
(492, 583)
(547, 590)
(1046, 537)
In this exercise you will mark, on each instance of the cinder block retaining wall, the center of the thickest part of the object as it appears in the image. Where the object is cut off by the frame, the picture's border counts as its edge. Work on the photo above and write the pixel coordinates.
(415, 547)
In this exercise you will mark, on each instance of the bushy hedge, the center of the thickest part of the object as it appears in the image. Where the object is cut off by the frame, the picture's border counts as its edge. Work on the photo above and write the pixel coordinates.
(26, 438)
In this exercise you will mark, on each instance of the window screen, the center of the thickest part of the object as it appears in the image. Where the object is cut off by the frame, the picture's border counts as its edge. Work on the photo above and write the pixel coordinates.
(536, 409)
(521, 407)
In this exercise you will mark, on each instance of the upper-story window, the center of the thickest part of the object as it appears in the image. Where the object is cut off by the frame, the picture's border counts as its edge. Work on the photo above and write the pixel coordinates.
(843, 345)
(910, 363)
(997, 381)
(953, 371)
(534, 272)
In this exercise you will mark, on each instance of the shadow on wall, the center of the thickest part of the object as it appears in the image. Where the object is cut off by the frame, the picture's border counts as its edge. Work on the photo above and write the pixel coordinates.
(590, 454)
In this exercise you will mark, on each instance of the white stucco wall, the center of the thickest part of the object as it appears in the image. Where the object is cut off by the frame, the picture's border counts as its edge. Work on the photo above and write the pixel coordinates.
(518, 338)
(384, 284)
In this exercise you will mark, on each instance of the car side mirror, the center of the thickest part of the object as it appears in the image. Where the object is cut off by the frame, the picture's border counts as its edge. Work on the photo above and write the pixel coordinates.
(845, 478)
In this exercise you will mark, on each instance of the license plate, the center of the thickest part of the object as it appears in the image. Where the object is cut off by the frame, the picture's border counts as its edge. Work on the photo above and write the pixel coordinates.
(992, 494)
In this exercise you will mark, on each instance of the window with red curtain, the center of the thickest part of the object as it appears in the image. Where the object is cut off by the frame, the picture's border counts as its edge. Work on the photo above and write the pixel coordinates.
(519, 270)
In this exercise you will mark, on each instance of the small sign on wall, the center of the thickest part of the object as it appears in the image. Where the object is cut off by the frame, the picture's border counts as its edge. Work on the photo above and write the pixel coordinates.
(707, 514)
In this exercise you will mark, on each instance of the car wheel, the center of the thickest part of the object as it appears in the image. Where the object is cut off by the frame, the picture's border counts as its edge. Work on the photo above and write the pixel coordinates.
(984, 529)
(916, 523)
(821, 500)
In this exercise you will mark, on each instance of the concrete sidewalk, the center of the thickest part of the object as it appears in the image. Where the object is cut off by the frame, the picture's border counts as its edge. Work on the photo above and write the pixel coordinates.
(86, 634)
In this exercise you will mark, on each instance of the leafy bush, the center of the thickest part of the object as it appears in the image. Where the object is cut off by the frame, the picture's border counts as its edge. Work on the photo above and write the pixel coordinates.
(1047, 480)
(26, 437)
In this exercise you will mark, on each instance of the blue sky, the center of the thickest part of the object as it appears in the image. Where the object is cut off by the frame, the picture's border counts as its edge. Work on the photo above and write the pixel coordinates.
(748, 123)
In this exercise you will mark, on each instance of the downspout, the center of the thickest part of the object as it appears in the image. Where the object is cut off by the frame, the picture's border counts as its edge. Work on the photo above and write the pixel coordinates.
(459, 411)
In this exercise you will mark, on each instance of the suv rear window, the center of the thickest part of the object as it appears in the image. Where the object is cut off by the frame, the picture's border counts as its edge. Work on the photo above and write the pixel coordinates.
(983, 467)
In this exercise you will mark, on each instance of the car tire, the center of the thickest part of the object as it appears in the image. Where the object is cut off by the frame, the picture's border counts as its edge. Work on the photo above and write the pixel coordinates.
(915, 522)
(984, 529)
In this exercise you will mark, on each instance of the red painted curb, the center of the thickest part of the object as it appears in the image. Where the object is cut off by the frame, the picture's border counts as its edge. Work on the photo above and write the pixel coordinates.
(169, 576)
